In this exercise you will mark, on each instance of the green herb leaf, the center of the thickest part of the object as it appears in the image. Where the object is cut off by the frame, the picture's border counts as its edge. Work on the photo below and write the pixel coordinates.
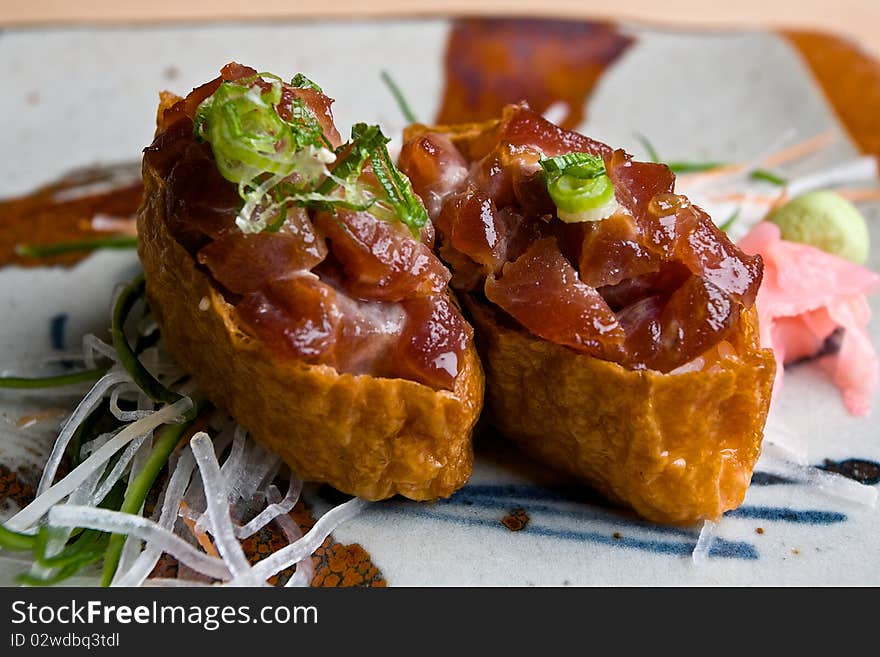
(257, 148)
(649, 147)
(726, 226)
(404, 106)
(300, 81)
(578, 185)
(694, 167)
(768, 176)
(136, 493)
(15, 541)
(580, 165)
(75, 246)
(127, 358)
(24, 383)
(398, 190)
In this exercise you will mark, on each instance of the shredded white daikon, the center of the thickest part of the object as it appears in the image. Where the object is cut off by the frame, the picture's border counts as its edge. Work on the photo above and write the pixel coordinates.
(127, 416)
(295, 552)
(705, 541)
(274, 510)
(32, 513)
(830, 483)
(861, 169)
(80, 413)
(218, 512)
(305, 569)
(94, 346)
(64, 515)
(118, 470)
(173, 495)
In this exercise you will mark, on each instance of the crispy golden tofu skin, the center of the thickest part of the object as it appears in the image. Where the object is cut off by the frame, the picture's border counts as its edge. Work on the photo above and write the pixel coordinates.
(619, 338)
(364, 434)
(677, 448)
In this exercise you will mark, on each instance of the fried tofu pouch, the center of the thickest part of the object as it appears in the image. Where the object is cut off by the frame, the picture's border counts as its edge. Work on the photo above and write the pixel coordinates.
(367, 436)
(677, 448)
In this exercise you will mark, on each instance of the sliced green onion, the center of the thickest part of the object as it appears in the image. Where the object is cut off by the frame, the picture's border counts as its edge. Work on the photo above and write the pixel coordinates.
(579, 186)
(405, 109)
(768, 176)
(649, 147)
(364, 140)
(573, 195)
(582, 165)
(76, 246)
(127, 358)
(254, 146)
(398, 190)
(16, 542)
(23, 383)
(137, 491)
(730, 221)
(300, 81)
(694, 167)
(64, 573)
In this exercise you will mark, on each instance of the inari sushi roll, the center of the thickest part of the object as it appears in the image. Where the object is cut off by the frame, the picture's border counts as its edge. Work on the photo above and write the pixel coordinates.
(292, 275)
(615, 321)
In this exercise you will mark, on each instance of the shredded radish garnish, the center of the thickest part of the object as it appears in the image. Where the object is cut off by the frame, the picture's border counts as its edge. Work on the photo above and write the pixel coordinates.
(83, 409)
(862, 169)
(118, 470)
(126, 416)
(218, 511)
(65, 515)
(32, 513)
(272, 511)
(231, 469)
(94, 346)
(256, 467)
(305, 569)
(830, 483)
(173, 496)
(290, 555)
(705, 541)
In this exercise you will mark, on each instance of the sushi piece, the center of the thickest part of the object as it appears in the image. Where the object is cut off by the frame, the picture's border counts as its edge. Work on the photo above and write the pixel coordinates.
(291, 275)
(616, 322)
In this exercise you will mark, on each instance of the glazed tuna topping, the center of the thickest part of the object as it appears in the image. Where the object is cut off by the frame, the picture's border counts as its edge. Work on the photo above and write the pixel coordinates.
(525, 215)
(322, 247)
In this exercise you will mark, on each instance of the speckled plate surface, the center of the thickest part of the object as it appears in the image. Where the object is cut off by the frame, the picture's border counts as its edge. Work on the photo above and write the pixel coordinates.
(719, 97)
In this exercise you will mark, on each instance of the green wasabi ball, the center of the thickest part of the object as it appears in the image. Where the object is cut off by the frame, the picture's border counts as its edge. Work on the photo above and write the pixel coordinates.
(827, 221)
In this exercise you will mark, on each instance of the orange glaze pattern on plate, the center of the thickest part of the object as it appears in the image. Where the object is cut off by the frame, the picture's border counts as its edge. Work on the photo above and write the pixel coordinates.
(850, 78)
(63, 211)
(492, 62)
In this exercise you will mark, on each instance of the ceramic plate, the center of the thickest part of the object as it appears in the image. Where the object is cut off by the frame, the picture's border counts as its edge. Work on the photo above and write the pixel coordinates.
(83, 96)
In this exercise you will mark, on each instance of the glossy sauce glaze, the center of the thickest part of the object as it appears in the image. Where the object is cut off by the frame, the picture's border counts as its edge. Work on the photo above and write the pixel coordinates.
(341, 288)
(653, 286)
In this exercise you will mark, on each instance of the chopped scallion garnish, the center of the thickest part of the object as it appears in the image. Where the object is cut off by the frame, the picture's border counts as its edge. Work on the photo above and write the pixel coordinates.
(726, 226)
(579, 186)
(25, 383)
(76, 246)
(279, 161)
(649, 147)
(127, 357)
(137, 491)
(404, 106)
(300, 81)
(694, 167)
(768, 176)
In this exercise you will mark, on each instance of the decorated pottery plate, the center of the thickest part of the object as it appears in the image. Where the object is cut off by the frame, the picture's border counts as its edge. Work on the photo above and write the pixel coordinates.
(749, 119)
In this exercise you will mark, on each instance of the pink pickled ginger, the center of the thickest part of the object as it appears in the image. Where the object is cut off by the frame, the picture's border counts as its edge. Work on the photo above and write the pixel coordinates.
(805, 296)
